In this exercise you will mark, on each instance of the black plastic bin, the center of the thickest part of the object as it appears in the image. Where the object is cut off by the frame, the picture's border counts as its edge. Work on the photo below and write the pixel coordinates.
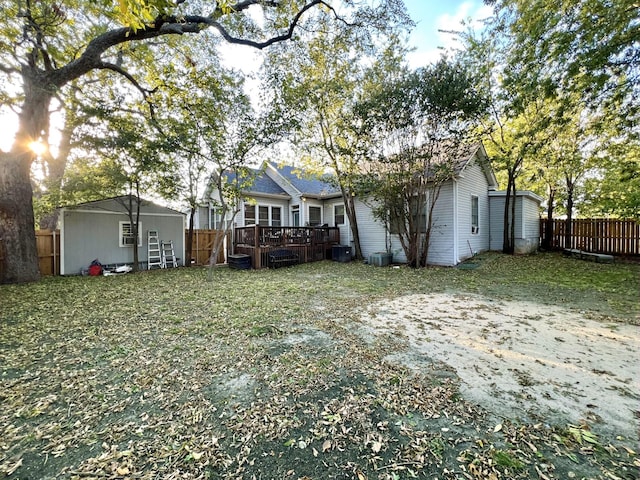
(239, 261)
(341, 253)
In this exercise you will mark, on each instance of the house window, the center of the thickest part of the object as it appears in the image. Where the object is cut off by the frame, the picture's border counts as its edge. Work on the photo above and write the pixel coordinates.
(263, 212)
(475, 227)
(338, 214)
(126, 234)
(315, 216)
(249, 214)
(276, 216)
(295, 215)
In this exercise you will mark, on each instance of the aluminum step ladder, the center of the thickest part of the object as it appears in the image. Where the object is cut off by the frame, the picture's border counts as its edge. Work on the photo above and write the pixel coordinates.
(154, 255)
(168, 255)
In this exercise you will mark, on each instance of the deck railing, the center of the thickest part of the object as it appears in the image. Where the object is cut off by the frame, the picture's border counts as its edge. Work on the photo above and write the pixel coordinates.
(309, 243)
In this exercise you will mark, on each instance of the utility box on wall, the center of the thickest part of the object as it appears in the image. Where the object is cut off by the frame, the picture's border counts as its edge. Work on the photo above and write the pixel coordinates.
(341, 253)
(380, 259)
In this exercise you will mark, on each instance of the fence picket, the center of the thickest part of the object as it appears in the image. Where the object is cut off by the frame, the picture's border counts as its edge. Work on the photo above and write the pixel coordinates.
(597, 235)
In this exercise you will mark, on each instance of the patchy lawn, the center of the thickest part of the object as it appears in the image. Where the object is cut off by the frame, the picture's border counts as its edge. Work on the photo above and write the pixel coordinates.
(318, 371)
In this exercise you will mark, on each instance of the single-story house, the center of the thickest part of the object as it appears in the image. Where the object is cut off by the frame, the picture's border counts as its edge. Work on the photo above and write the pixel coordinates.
(467, 217)
(102, 230)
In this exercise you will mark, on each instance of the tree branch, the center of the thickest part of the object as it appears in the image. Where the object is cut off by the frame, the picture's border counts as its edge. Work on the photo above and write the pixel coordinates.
(145, 93)
(91, 57)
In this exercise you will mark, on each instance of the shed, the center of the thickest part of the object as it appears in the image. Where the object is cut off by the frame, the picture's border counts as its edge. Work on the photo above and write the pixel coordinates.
(527, 222)
(101, 230)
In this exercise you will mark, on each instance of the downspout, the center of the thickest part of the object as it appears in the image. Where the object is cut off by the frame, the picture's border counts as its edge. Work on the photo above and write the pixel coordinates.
(62, 249)
(456, 260)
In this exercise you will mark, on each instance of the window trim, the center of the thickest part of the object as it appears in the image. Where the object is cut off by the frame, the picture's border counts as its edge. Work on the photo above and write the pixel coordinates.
(319, 207)
(475, 215)
(121, 234)
(244, 213)
(257, 207)
(271, 210)
(335, 215)
(295, 215)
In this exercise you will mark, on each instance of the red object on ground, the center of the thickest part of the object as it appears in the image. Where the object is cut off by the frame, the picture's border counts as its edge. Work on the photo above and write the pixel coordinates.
(95, 270)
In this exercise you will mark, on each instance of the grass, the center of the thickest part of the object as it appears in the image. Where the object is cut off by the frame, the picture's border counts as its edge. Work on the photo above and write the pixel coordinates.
(164, 374)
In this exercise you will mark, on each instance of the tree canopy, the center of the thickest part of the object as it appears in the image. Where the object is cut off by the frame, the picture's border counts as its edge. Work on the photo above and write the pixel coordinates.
(46, 47)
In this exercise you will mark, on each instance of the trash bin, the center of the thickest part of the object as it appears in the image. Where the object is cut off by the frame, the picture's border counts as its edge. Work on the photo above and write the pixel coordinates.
(239, 261)
(341, 253)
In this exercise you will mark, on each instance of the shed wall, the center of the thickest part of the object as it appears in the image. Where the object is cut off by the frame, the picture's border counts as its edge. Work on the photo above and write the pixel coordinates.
(89, 235)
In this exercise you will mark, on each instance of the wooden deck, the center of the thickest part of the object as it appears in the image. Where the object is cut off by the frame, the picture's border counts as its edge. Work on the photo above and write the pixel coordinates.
(310, 244)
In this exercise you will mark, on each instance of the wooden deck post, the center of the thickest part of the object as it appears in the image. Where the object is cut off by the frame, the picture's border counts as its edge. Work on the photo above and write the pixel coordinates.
(257, 264)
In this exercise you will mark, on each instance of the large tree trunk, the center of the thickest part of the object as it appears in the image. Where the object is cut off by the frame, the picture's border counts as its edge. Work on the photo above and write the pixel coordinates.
(507, 246)
(512, 231)
(350, 210)
(17, 222)
(189, 246)
(17, 233)
(568, 229)
(547, 241)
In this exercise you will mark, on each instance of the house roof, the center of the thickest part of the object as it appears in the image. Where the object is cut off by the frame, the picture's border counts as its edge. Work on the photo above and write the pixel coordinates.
(122, 200)
(262, 184)
(306, 183)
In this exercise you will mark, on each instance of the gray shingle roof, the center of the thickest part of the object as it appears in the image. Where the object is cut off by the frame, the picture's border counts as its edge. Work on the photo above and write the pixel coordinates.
(261, 184)
(307, 183)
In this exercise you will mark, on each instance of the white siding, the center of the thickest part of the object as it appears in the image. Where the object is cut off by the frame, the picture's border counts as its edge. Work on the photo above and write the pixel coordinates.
(531, 210)
(496, 222)
(473, 182)
(371, 231)
(527, 224)
(441, 246)
(345, 230)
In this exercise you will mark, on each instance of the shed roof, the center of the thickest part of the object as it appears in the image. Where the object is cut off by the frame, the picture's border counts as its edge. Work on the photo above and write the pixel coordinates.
(118, 204)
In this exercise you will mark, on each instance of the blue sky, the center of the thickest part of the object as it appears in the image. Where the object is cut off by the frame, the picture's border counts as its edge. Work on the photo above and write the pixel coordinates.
(434, 15)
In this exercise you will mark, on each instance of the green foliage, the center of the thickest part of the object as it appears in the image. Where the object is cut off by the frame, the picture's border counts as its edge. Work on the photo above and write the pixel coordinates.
(576, 64)
(419, 125)
(318, 85)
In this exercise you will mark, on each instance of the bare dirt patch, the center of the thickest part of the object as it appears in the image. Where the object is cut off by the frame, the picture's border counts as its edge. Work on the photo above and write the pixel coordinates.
(522, 360)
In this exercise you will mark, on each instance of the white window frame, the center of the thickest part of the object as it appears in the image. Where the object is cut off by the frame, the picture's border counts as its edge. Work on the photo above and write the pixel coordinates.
(256, 209)
(271, 209)
(475, 216)
(121, 234)
(295, 212)
(309, 214)
(248, 205)
(260, 219)
(335, 215)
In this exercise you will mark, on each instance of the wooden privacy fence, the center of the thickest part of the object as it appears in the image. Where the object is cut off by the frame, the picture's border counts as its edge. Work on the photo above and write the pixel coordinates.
(48, 245)
(598, 235)
(203, 243)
